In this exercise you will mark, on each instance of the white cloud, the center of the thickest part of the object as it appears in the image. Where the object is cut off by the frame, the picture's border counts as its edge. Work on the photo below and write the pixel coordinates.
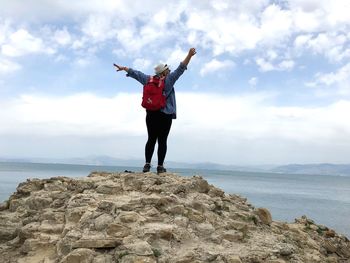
(130, 40)
(248, 122)
(222, 34)
(302, 40)
(4, 30)
(83, 61)
(332, 45)
(313, 15)
(249, 116)
(99, 28)
(286, 65)
(175, 57)
(216, 65)
(218, 27)
(7, 66)
(141, 64)
(271, 54)
(276, 24)
(80, 114)
(62, 37)
(266, 65)
(79, 43)
(22, 43)
(47, 11)
(253, 81)
(308, 21)
(339, 79)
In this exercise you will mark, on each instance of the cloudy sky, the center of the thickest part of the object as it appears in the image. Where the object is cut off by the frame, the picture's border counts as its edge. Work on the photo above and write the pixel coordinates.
(270, 83)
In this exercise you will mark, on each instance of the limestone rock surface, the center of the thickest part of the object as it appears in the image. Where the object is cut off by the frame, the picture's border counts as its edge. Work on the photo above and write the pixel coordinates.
(134, 217)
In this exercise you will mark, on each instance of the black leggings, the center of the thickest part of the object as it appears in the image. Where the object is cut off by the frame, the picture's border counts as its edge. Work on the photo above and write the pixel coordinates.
(158, 128)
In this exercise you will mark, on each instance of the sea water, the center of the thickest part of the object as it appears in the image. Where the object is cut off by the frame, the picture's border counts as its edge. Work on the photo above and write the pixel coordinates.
(323, 198)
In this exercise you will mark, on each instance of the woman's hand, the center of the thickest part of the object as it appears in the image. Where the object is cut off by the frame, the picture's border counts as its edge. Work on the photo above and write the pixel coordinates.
(120, 68)
(192, 52)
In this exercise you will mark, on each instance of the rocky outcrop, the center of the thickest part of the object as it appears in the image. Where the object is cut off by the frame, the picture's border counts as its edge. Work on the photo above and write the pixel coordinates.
(130, 217)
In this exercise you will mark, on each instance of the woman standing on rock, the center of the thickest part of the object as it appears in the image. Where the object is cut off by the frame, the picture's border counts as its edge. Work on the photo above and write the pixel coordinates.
(159, 121)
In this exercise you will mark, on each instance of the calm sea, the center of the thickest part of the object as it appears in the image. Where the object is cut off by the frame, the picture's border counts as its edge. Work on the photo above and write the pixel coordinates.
(323, 198)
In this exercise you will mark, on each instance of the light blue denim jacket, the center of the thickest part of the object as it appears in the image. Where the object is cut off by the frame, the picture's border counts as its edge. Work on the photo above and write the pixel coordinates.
(171, 78)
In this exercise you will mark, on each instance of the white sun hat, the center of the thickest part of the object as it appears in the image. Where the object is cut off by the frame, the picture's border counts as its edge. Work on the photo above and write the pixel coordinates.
(160, 68)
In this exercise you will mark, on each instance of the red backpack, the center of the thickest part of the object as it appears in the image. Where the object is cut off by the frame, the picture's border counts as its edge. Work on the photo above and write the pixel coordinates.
(153, 97)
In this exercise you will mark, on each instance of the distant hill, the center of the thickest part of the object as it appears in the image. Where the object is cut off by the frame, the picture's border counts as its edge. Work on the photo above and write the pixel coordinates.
(323, 168)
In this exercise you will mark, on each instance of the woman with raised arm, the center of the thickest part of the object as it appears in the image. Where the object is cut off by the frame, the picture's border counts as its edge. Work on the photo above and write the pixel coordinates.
(159, 121)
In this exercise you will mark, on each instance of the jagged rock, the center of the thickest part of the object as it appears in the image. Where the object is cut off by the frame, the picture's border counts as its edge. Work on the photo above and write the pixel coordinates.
(103, 259)
(330, 247)
(109, 189)
(138, 247)
(4, 205)
(205, 229)
(131, 217)
(233, 259)
(286, 250)
(118, 230)
(330, 233)
(7, 233)
(137, 259)
(103, 221)
(232, 235)
(80, 255)
(264, 215)
(30, 186)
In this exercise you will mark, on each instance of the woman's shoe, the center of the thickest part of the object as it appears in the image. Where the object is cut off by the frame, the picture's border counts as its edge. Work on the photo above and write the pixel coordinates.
(161, 169)
(146, 168)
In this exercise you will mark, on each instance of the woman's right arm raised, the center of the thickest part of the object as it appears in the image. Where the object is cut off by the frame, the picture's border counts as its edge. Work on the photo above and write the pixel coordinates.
(135, 74)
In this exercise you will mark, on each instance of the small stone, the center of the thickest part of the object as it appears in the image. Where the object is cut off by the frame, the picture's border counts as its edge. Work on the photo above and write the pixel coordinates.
(140, 247)
(128, 217)
(4, 205)
(279, 260)
(264, 215)
(205, 229)
(233, 259)
(7, 233)
(181, 221)
(200, 185)
(330, 247)
(137, 259)
(216, 192)
(103, 259)
(286, 251)
(118, 230)
(109, 189)
(38, 203)
(81, 255)
(93, 242)
(329, 233)
(103, 221)
(312, 258)
(177, 210)
(232, 235)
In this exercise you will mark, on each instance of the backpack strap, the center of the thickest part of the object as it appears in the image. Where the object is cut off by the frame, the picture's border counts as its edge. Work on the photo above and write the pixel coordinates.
(156, 79)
